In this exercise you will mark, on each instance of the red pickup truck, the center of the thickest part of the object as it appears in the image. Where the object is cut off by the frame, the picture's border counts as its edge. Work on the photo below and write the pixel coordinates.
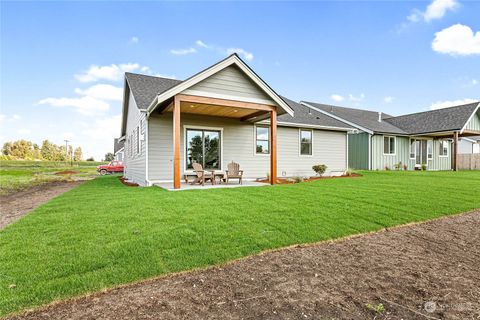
(112, 167)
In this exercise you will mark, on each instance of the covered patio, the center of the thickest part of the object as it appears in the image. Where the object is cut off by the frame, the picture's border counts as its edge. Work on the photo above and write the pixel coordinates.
(218, 108)
(188, 186)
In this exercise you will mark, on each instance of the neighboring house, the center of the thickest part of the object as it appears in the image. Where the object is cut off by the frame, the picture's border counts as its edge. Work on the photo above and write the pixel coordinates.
(118, 148)
(426, 138)
(470, 145)
(224, 113)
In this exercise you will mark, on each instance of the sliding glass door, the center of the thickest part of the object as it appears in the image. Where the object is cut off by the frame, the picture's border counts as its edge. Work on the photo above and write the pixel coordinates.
(203, 146)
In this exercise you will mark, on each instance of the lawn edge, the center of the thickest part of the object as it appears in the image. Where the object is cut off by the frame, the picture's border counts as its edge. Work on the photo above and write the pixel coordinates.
(225, 264)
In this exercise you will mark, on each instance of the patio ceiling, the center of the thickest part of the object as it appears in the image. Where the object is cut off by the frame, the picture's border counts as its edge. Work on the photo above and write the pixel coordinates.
(214, 110)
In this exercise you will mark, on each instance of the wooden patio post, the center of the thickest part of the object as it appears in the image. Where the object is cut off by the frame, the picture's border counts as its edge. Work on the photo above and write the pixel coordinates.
(176, 143)
(273, 146)
(455, 151)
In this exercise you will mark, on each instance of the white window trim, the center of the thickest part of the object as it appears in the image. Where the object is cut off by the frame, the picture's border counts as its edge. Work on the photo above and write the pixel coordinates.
(255, 141)
(433, 150)
(414, 149)
(137, 138)
(187, 126)
(300, 143)
(395, 144)
(448, 149)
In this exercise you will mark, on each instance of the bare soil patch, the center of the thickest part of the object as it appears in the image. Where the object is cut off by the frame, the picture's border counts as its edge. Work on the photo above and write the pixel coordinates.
(423, 271)
(15, 205)
(66, 172)
(125, 182)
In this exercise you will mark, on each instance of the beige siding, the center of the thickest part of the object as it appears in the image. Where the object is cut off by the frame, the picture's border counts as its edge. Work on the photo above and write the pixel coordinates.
(135, 162)
(230, 83)
(239, 145)
(474, 123)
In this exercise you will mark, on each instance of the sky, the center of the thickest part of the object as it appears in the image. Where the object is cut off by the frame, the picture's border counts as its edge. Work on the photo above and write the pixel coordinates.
(62, 63)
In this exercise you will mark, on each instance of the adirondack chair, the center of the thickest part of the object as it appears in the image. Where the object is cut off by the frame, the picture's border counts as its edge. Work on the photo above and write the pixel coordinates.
(233, 171)
(201, 175)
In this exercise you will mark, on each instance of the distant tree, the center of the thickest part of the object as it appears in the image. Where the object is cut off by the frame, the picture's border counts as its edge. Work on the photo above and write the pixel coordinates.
(90, 159)
(7, 148)
(48, 150)
(21, 149)
(77, 154)
(109, 156)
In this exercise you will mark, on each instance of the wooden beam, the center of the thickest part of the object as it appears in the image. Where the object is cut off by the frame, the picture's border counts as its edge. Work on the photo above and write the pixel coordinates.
(176, 143)
(253, 115)
(455, 151)
(224, 102)
(273, 146)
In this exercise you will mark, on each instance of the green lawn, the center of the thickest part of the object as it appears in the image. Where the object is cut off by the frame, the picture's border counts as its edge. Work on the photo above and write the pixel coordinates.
(103, 233)
(18, 174)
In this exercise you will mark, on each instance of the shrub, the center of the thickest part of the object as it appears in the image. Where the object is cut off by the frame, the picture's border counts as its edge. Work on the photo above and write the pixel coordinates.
(424, 166)
(405, 167)
(387, 168)
(319, 169)
(398, 166)
(298, 179)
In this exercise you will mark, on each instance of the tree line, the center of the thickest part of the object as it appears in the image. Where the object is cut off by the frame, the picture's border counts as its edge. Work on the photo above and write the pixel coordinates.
(26, 150)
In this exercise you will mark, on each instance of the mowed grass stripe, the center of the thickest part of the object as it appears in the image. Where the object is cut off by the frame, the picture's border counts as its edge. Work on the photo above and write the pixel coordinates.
(103, 233)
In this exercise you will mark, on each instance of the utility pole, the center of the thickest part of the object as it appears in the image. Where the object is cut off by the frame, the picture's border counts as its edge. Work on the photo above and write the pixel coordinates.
(66, 150)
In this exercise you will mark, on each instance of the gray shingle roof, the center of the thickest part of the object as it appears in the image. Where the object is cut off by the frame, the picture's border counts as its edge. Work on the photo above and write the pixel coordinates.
(145, 88)
(364, 118)
(305, 115)
(117, 145)
(447, 119)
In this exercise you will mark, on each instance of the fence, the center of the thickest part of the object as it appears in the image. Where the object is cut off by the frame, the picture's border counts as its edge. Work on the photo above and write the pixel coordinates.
(469, 161)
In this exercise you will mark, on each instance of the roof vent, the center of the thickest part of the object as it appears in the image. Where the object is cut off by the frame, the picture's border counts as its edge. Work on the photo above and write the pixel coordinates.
(309, 111)
(380, 117)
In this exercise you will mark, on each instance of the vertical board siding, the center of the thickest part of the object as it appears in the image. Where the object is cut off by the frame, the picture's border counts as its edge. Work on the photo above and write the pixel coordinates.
(135, 164)
(358, 150)
(379, 160)
(238, 143)
(474, 123)
(230, 82)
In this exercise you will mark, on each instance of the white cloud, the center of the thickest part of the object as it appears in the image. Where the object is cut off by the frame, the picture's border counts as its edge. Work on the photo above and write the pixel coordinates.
(457, 40)
(85, 105)
(337, 97)
(438, 8)
(388, 99)
(242, 52)
(182, 52)
(446, 104)
(2, 117)
(104, 129)
(202, 44)
(23, 131)
(112, 72)
(102, 92)
(356, 99)
(134, 40)
(474, 82)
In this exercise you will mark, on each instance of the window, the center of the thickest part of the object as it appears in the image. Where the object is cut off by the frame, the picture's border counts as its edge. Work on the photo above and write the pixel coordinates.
(430, 149)
(389, 145)
(412, 148)
(203, 146)
(262, 140)
(443, 148)
(306, 142)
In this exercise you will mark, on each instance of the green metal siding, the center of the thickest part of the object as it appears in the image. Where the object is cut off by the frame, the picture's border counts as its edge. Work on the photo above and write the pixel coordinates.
(358, 150)
(379, 160)
(474, 123)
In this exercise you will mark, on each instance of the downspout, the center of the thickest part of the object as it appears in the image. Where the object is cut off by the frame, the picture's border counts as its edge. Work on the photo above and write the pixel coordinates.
(147, 118)
(369, 152)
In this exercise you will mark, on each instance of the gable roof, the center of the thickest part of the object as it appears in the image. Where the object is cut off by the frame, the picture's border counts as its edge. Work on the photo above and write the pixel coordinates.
(118, 145)
(442, 120)
(308, 116)
(447, 119)
(145, 88)
(233, 59)
(362, 119)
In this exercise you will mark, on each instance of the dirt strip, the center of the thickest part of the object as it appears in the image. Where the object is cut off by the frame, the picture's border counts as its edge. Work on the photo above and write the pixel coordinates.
(422, 271)
(15, 205)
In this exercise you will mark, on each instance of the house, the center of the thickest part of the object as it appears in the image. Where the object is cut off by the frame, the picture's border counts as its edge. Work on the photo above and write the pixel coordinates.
(118, 148)
(425, 139)
(221, 114)
(470, 145)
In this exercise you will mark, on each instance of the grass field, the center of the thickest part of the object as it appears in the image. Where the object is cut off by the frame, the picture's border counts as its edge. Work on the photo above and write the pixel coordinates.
(17, 175)
(103, 233)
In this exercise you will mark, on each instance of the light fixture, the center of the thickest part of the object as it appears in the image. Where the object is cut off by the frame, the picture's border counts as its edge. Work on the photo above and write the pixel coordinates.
(192, 106)
(235, 110)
